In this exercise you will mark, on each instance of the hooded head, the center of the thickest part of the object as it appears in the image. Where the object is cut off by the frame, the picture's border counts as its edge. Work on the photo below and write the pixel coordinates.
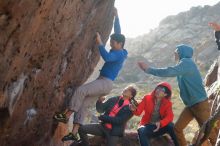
(167, 89)
(184, 51)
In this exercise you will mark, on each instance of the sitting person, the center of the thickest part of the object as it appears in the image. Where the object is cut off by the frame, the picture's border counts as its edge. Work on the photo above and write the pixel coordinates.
(113, 121)
(158, 114)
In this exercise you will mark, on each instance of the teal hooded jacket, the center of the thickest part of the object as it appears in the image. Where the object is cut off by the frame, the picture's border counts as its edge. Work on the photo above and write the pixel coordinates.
(189, 79)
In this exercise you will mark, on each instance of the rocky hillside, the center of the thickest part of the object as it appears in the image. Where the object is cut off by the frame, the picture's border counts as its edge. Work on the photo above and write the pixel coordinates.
(157, 46)
(46, 49)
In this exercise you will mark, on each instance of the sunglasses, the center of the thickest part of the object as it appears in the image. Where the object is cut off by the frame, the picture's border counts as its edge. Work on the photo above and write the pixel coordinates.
(161, 89)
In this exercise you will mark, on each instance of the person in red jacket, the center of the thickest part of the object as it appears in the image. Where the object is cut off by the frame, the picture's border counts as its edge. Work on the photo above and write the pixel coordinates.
(158, 114)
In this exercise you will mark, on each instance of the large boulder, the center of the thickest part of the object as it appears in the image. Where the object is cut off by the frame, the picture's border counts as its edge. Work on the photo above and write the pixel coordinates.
(47, 49)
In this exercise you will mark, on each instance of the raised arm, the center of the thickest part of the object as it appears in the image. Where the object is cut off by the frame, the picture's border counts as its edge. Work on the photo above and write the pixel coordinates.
(110, 56)
(179, 69)
(117, 27)
(107, 56)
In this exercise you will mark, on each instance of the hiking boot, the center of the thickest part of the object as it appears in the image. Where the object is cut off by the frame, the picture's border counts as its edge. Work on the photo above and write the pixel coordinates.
(61, 117)
(71, 136)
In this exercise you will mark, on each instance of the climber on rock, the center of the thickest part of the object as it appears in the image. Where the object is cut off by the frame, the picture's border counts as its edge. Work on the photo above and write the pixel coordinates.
(113, 122)
(192, 91)
(88, 93)
(158, 114)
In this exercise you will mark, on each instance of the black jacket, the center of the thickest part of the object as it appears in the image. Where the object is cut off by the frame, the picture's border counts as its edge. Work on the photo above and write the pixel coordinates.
(217, 37)
(119, 121)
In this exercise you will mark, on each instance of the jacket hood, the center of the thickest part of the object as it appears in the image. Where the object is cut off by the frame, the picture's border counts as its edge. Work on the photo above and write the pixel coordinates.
(164, 84)
(184, 51)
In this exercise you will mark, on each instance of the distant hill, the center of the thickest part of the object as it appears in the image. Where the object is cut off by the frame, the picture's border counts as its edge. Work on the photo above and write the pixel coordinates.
(157, 46)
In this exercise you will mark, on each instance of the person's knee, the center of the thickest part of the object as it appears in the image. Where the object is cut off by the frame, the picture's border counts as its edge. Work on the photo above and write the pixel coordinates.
(170, 126)
(170, 129)
(144, 131)
(141, 131)
(81, 129)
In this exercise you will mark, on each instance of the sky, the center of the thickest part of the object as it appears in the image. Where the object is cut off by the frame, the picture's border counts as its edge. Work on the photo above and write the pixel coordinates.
(137, 17)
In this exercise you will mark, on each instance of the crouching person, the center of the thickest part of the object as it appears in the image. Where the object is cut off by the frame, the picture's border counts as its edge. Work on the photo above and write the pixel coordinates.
(158, 114)
(113, 121)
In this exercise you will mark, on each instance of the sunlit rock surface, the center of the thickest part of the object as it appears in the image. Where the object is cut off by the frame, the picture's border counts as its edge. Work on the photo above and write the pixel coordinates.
(47, 49)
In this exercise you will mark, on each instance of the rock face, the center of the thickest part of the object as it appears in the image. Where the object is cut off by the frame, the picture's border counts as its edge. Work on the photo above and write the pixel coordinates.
(46, 50)
(213, 88)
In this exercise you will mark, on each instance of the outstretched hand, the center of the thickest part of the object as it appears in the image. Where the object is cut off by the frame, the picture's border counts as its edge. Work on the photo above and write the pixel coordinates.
(143, 65)
(214, 26)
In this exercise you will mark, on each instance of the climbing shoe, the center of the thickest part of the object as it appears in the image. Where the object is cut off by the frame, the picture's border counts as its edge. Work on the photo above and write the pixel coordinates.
(61, 117)
(71, 136)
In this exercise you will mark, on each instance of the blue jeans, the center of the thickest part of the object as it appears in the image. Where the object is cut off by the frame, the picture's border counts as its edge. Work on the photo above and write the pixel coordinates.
(146, 132)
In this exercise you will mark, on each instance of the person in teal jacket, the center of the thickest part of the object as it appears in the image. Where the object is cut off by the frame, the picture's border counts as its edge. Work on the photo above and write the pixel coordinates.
(192, 91)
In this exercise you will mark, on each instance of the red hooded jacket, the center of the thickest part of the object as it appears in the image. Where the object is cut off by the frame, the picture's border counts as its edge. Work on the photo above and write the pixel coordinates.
(147, 105)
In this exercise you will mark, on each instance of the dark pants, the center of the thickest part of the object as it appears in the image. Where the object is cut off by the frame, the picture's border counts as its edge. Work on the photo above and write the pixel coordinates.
(146, 132)
(99, 130)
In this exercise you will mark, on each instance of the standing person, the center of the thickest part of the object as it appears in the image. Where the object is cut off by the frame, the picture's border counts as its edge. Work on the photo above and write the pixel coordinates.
(113, 121)
(192, 91)
(87, 93)
(158, 114)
